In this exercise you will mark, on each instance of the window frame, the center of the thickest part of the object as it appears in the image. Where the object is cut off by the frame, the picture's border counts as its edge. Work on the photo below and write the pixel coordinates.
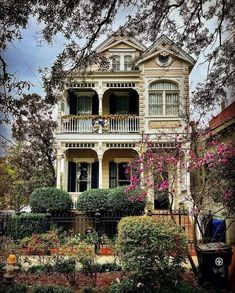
(127, 64)
(164, 104)
(116, 62)
(89, 176)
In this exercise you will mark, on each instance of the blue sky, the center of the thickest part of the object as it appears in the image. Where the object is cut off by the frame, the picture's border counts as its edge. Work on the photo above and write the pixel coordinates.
(26, 56)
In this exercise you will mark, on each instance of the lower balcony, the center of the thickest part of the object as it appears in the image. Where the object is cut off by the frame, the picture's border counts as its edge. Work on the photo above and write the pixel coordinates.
(100, 124)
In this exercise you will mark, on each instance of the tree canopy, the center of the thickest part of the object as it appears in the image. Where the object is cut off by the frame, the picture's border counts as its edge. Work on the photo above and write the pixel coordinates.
(83, 22)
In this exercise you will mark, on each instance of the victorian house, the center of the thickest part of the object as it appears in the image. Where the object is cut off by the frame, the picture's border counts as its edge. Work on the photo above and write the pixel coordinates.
(103, 117)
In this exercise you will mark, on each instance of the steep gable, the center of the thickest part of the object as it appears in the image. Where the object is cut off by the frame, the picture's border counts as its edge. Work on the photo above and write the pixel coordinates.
(119, 41)
(165, 47)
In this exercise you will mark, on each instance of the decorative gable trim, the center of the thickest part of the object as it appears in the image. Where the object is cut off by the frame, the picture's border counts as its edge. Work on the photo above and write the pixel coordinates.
(115, 40)
(157, 48)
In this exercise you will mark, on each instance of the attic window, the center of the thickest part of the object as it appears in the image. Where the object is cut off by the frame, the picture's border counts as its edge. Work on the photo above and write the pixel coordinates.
(163, 59)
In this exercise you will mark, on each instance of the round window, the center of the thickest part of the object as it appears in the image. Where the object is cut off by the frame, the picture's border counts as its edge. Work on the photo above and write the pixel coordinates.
(164, 59)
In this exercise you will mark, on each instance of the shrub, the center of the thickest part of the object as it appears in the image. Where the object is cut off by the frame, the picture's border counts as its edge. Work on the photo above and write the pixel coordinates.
(151, 249)
(122, 200)
(49, 198)
(67, 267)
(115, 199)
(50, 289)
(93, 199)
(13, 288)
(40, 243)
(20, 226)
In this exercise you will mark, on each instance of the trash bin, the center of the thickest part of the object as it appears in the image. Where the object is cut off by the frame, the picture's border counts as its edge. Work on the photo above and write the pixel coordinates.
(218, 230)
(214, 260)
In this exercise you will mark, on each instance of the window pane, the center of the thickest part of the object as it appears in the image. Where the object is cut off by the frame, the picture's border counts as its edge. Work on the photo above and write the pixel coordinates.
(83, 176)
(123, 178)
(116, 62)
(163, 86)
(172, 104)
(123, 105)
(155, 104)
(127, 63)
(84, 105)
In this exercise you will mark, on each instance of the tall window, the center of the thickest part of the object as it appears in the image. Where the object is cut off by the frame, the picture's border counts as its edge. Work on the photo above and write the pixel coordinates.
(123, 104)
(84, 105)
(163, 99)
(83, 176)
(118, 175)
(127, 62)
(116, 62)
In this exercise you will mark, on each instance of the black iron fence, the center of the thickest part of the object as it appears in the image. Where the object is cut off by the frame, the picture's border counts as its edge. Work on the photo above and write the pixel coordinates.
(76, 222)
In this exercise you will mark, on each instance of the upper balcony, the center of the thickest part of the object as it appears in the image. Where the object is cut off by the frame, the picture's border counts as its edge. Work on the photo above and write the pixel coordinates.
(117, 111)
(100, 124)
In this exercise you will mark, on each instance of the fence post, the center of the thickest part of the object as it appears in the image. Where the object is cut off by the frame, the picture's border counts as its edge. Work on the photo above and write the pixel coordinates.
(97, 221)
(97, 229)
(48, 220)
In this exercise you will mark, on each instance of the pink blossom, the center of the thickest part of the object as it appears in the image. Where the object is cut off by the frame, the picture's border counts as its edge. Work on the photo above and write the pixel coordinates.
(221, 148)
(227, 195)
(163, 185)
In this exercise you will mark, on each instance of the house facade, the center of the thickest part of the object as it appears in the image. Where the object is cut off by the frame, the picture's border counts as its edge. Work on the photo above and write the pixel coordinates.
(103, 117)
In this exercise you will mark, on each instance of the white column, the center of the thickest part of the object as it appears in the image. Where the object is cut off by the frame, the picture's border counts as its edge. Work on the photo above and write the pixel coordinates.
(65, 183)
(58, 171)
(100, 171)
(100, 104)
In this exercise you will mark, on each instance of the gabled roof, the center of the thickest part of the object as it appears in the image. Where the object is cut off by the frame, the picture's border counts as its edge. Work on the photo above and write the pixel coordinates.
(118, 38)
(157, 47)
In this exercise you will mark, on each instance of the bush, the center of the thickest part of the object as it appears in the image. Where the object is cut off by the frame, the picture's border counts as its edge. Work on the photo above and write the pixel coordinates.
(122, 200)
(49, 198)
(115, 199)
(50, 289)
(13, 288)
(151, 249)
(93, 199)
(24, 225)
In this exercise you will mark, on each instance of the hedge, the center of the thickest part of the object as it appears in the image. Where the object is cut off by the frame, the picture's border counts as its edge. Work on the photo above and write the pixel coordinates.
(20, 226)
(115, 199)
(151, 249)
(50, 199)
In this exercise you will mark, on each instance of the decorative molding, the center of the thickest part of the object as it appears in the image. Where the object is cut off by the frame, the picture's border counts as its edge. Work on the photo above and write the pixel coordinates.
(84, 160)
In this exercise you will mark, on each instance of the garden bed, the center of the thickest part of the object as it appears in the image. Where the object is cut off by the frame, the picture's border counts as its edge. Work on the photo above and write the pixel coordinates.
(103, 279)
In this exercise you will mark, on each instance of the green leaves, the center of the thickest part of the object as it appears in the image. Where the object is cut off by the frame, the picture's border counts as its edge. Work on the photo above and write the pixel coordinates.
(20, 226)
(50, 198)
(152, 249)
(115, 199)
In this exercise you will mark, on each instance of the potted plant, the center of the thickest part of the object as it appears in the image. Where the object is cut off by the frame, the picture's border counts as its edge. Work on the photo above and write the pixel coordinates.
(106, 246)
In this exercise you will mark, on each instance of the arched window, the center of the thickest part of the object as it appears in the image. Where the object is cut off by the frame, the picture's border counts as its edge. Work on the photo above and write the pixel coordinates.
(127, 62)
(116, 62)
(163, 99)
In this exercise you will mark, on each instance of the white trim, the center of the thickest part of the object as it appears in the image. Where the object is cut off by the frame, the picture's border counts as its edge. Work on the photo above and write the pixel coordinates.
(122, 160)
(83, 160)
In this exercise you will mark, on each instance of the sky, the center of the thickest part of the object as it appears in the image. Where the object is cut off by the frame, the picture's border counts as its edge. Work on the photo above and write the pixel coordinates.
(26, 56)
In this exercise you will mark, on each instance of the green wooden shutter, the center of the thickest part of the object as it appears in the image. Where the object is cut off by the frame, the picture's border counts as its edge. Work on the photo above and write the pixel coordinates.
(112, 174)
(72, 177)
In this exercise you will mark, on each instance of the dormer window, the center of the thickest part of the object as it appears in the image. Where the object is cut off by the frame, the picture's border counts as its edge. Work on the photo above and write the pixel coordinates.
(116, 62)
(127, 62)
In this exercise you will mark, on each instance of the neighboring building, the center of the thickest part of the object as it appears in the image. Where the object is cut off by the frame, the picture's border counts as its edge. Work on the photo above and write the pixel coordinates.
(223, 127)
(102, 119)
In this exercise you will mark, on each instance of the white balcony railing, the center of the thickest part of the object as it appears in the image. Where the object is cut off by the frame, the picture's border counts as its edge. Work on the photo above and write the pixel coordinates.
(74, 197)
(112, 124)
(76, 125)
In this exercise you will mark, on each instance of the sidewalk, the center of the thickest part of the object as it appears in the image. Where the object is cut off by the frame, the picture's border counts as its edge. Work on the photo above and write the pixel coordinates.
(101, 259)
